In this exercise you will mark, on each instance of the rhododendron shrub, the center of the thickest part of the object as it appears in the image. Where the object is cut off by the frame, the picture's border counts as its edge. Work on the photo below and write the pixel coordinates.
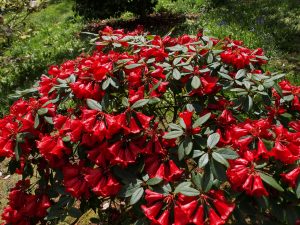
(156, 130)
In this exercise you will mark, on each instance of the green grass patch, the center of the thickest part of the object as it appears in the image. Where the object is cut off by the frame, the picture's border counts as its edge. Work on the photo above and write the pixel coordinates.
(52, 36)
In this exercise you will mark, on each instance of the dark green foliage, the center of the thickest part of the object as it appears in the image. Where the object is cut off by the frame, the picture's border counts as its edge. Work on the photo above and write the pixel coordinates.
(92, 9)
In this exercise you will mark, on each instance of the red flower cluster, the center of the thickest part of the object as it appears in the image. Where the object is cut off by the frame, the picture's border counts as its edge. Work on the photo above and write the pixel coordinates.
(240, 57)
(24, 208)
(170, 130)
(187, 210)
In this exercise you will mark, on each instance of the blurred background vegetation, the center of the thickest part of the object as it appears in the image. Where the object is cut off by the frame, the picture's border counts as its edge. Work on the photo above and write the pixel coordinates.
(35, 34)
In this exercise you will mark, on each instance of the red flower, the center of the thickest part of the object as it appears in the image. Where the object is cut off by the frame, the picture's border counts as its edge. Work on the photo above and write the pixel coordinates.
(155, 204)
(291, 177)
(102, 183)
(226, 118)
(160, 165)
(190, 210)
(239, 57)
(295, 125)
(187, 116)
(243, 177)
(8, 132)
(286, 148)
(50, 146)
(126, 151)
(25, 208)
(99, 154)
(84, 90)
(208, 86)
(74, 181)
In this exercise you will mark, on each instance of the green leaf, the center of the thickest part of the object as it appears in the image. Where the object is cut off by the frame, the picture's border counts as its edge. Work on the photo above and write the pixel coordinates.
(174, 126)
(42, 111)
(132, 66)
(226, 76)
(154, 181)
(260, 87)
(196, 82)
(208, 178)
(53, 213)
(125, 102)
(205, 70)
(74, 212)
(188, 191)
(92, 104)
(297, 190)
(203, 160)
(278, 89)
(219, 158)
(18, 151)
(154, 100)
(128, 189)
(190, 107)
(66, 139)
(201, 120)
(189, 67)
(197, 179)
(49, 120)
(262, 57)
(241, 73)
(250, 103)
(175, 48)
(271, 181)
(106, 83)
(181, 152)
(188, 145)
(276, 77)
(212, 140)
(181, 186)
(177, 60)
(218, 170)
(136, 196)
(268, 84)
(288, 98)
(210, 58)
(197, 153)
(36, 121)
(173, 134)
(181, 121)
(227, 153)
(139, 103)
(238, 90)
(176, 74)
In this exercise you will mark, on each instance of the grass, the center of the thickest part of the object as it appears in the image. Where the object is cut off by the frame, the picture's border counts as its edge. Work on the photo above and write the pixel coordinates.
(50, 38)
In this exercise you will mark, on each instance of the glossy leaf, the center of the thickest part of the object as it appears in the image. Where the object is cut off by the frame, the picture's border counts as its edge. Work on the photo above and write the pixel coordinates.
(203, 160)
(139, 103)
(213, 140)
(173, 134)
(271, 181)
(136, 196)
(92, 104)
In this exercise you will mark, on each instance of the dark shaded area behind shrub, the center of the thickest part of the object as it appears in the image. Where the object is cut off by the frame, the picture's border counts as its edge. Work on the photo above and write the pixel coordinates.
(92, 9)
